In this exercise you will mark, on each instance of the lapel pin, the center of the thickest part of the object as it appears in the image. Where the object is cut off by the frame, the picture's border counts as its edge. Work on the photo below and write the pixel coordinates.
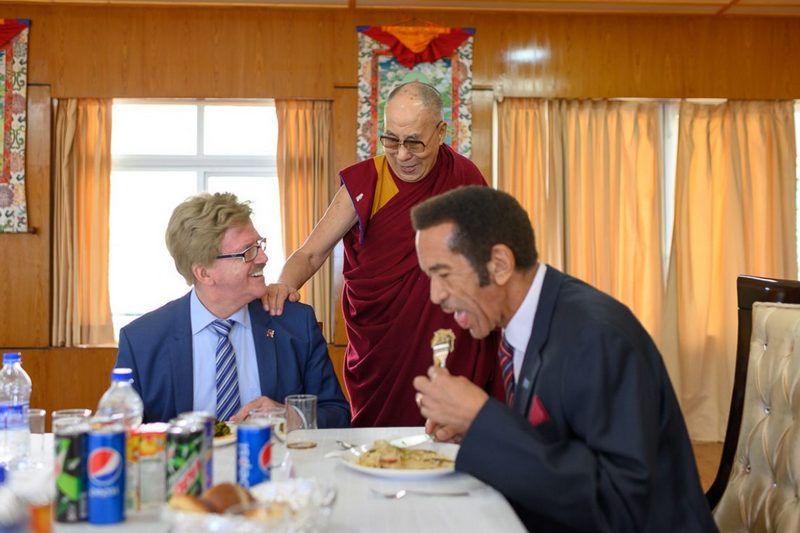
(359, 197)
(270, 333)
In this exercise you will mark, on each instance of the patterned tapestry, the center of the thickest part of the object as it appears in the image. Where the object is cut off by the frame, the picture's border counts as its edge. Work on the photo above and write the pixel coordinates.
(390, 55)
(13, 110)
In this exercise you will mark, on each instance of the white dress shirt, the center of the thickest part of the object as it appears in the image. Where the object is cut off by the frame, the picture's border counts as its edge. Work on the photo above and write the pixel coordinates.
(204, 353)
(518, 330)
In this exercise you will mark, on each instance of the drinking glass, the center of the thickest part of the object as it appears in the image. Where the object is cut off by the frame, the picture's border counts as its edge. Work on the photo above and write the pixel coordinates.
(83, 414)
(301, 416)
(275, 417)
(36, 418)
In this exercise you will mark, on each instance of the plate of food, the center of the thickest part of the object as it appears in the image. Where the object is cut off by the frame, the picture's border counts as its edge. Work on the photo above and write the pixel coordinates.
(432, 459)
(224, 433)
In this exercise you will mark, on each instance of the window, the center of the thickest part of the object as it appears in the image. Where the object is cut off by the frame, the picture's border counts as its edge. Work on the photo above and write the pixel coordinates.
(164, 152)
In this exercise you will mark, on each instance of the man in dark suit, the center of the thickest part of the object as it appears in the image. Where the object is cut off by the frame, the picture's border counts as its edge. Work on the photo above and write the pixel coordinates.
(216, 349)
(592, 437)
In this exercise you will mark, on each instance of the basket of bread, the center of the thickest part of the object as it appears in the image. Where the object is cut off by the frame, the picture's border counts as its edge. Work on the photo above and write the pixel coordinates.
(292, 506)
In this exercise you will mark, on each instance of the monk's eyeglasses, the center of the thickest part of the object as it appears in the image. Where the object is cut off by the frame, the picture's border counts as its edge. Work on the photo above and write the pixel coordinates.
(392, 143)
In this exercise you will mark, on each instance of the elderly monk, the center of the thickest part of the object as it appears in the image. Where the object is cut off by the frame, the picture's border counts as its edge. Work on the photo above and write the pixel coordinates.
(389, 318)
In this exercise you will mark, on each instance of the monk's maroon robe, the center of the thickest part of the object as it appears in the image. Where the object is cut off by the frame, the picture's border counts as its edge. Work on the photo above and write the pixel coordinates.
(389, 317)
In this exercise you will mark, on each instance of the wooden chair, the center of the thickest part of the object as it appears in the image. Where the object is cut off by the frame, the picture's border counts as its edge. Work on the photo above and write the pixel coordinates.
(751, 290)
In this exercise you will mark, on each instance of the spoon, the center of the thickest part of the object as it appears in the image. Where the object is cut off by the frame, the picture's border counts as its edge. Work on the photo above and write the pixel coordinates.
(402, 493)
(345, 445)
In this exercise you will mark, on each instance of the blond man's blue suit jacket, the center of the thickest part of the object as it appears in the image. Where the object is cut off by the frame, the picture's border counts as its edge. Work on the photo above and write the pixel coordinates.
(292, 360)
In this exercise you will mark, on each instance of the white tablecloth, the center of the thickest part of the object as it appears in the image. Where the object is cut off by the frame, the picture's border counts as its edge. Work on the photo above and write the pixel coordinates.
(357, 509)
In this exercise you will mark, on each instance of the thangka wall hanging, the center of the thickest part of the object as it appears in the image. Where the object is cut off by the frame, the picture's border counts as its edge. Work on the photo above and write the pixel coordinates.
(13, 111)
(390, 55)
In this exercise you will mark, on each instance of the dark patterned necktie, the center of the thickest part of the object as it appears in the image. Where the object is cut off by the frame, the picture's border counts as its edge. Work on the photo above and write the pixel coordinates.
(506, 354)
(227, 379)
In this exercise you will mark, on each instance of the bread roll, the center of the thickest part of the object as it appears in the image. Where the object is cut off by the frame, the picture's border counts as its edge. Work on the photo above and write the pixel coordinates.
(224, 495)
(191, 504)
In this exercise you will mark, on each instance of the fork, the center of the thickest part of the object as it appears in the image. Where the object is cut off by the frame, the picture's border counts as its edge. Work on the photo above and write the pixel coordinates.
(402, 493)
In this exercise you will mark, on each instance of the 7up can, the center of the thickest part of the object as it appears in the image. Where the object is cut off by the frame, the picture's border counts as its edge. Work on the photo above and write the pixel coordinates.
(185, 457)
(71, 457)
(206, 419)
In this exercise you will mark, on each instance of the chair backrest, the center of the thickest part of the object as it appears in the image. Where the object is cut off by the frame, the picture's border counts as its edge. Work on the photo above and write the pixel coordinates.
(765, 366)
(750, 289)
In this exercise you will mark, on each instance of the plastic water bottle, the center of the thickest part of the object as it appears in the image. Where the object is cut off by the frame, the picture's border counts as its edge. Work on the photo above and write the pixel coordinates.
(13, 511)
(15, 397)
(121, 401)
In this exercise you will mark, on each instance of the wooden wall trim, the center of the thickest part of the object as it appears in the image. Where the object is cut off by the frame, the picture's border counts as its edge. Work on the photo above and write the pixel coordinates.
(264, 52)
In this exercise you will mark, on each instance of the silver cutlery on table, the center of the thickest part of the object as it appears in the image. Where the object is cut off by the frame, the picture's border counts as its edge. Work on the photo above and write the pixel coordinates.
(402, 493)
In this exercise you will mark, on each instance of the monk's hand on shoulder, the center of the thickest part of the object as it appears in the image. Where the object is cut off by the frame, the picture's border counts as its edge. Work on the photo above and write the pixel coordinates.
(262, 402)
(276, 295)
(450, 403)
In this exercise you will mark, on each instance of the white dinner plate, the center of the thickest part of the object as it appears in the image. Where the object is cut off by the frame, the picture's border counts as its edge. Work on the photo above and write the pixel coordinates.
(227, 439)
(350, 457)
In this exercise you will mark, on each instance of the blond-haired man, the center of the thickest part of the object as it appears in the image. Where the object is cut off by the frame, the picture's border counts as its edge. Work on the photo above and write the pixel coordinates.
(216, 349)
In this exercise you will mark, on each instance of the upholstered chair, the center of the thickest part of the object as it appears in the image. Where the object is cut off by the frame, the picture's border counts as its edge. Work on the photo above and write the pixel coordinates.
(763, 490)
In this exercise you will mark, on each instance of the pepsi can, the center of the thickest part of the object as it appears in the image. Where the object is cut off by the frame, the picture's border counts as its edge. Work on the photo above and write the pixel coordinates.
(253, 452)
(106, 473)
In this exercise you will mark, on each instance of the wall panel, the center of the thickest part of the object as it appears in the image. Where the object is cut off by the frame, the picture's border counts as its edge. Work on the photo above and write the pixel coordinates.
(242, 52)
(25, 257)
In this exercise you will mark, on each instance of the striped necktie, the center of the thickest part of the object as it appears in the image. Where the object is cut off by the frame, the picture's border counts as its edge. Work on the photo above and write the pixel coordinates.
(506, 355)
(227, 379)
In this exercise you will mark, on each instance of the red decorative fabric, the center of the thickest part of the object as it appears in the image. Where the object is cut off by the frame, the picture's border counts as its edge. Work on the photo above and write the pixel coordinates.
(538, 414)
(389, 317)
(10, 28)
(440, 44)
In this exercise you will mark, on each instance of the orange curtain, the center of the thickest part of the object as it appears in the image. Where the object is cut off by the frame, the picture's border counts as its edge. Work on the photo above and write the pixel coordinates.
(81, 309)
(306, 184)
(589, 175)
(611, 169)
(527, 171)
(734, 214)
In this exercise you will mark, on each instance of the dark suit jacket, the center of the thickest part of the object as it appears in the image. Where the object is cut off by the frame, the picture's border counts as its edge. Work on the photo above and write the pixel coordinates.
(294, 360)
(595, 440)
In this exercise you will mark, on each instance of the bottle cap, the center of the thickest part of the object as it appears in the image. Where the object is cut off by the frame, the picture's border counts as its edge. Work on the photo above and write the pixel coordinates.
(12, 357)
(121, 374)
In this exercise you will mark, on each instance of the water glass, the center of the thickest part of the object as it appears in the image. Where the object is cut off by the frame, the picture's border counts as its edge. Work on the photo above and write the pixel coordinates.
(36, 418)
(275, 417)
(301, 415)
(70, 413)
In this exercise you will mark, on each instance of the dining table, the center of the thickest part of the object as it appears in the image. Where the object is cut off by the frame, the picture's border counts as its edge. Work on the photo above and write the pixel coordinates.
(358, 505)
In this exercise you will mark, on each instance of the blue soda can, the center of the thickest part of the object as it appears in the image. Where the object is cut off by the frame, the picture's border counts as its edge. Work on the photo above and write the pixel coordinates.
(207, 420)
(253, 452)
(106, 473)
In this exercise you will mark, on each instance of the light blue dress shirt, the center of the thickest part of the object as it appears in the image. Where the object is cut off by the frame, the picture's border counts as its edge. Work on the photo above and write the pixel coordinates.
(204, 351)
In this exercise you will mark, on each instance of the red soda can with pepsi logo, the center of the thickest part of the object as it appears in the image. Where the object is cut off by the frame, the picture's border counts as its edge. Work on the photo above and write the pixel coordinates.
(253, 452)
(106, 472)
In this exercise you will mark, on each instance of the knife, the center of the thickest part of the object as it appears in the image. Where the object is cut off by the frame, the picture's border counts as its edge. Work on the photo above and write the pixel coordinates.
(413, 440)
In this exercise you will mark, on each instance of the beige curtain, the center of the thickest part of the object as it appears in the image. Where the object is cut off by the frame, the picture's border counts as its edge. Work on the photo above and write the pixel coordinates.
(527, 171)
(306, 184)
(611, 169)
(589, 174)
(81, 310)
(734, 214)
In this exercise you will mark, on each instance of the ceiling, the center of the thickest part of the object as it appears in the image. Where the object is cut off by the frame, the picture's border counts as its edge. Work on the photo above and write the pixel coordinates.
(662, 7)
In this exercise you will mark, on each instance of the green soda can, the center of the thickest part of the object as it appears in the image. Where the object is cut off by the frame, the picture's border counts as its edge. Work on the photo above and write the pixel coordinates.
(185, 457)
(71, 451)
(207, 420)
